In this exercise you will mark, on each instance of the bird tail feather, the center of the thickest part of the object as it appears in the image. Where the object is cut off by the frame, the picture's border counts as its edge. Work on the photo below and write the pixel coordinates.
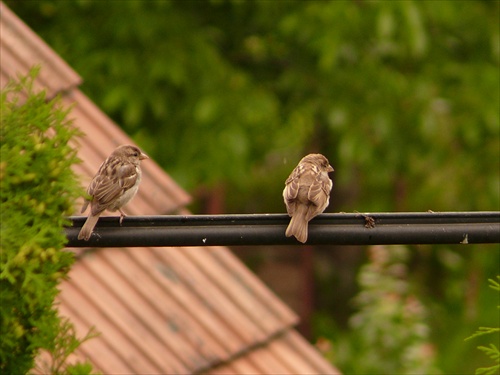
(298, 224)
(88, 227)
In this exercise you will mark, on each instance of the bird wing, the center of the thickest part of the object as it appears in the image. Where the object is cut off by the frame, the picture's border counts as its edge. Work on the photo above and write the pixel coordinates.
(319, 194)
(109, 184)
(291, 190)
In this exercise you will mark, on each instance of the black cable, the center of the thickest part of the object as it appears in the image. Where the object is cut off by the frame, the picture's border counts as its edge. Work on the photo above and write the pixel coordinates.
(269, 229)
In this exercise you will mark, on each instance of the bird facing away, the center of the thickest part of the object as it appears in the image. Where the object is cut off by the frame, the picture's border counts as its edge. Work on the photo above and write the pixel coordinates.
(114, 185)
(307, 193)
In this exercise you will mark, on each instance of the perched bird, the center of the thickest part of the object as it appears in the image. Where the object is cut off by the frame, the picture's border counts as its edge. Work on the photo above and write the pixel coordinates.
(114, 185)
(307, 193)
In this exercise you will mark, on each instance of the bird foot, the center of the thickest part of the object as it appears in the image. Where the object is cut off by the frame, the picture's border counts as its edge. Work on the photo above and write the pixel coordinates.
(122, 215)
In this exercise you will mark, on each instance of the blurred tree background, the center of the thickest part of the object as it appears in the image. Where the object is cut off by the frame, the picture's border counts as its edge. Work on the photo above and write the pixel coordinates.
(401, 96)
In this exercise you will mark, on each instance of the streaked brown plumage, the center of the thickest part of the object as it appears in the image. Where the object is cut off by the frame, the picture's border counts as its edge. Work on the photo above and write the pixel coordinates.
(307, 193)
(113, 186)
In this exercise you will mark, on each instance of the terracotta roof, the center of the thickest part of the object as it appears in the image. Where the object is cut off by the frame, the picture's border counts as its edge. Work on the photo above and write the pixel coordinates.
(22, 48)
(159, 310)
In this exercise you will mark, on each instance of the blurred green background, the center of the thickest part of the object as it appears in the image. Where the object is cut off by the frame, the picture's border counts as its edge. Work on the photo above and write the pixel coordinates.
(401, 96)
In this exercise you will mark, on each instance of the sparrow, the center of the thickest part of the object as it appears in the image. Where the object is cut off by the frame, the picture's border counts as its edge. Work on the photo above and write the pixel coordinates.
(114, 185)
(307, 193)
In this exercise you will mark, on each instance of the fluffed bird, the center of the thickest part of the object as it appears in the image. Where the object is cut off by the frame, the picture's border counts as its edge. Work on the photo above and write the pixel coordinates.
(307, 193)
(114, 185)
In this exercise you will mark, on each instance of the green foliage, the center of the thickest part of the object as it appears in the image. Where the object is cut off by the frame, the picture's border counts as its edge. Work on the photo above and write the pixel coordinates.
(38, 188)
(390, 333)
(400, 95)
(65, 344)
(491, 351)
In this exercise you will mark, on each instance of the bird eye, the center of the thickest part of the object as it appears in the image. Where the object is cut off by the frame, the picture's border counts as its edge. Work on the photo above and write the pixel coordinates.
(136, 153)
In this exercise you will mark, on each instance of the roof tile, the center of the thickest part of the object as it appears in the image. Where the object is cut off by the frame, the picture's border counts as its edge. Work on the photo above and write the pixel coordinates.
(22, 49)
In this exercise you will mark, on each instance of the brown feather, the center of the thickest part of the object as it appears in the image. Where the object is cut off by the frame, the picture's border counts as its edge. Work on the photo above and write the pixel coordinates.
(114, 185)
(88, 227)
(307, 193)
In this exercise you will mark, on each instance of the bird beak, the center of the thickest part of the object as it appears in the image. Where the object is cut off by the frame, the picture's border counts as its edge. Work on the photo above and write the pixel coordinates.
(143, 156)
(330, 169)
